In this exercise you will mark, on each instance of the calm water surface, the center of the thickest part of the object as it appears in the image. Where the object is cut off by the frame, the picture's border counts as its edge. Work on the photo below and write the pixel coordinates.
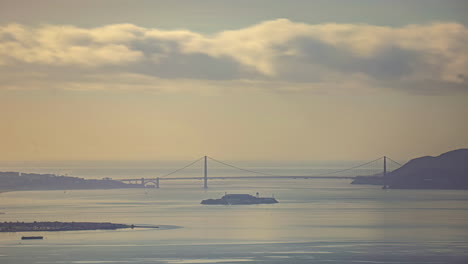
(316, 221)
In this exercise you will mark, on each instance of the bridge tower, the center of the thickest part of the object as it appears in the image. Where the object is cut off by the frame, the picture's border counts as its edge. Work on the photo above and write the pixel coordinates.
(157, 183)
(205, 178)
(385, 166)
(385, 172)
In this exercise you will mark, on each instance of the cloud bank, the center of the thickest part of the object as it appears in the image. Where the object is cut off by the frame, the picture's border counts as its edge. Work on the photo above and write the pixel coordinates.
(278, 55)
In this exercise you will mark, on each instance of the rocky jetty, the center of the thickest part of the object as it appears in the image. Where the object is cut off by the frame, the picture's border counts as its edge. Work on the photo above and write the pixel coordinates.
(58, 226)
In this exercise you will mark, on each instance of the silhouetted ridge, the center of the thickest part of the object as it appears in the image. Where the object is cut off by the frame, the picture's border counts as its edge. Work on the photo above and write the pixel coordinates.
(446, 171)
(34, 181)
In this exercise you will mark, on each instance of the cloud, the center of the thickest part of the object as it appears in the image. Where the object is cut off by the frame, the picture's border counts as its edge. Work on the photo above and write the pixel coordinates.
(414, 58)
(63, 45)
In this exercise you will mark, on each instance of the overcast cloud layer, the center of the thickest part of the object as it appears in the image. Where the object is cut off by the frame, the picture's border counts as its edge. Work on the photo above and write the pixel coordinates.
(279, 55)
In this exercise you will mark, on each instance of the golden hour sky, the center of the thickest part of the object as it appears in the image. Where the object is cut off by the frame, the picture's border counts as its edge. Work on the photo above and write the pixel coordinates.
(245, 80)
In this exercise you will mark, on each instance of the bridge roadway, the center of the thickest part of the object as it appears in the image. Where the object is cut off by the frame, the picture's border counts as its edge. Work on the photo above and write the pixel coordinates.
(239, 177)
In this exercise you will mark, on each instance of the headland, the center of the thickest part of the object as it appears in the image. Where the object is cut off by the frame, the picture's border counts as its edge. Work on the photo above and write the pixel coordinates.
(17, 181)
(446, 171)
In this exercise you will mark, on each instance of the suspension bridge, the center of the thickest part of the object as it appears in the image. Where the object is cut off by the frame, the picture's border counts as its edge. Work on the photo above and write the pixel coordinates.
(377, 167)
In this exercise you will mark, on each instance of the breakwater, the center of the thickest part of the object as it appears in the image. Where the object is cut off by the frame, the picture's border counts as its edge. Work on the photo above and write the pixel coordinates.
(58, 226)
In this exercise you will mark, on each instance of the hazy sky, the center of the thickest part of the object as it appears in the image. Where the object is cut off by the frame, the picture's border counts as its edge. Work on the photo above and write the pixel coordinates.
(243, 80)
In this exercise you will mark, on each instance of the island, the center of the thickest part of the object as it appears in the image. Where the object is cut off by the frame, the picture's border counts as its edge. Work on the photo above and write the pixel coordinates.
(446, 171)
(59, 226)
(17, 181)
(233, 199)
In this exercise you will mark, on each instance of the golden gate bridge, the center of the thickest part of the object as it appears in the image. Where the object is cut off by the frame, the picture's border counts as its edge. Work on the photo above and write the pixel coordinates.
(377, 167)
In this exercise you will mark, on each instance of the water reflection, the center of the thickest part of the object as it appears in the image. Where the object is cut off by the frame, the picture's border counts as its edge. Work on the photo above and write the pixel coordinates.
(316, 220)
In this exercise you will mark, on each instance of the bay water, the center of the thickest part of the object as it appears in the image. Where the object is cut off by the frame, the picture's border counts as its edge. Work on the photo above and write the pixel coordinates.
(315, 221)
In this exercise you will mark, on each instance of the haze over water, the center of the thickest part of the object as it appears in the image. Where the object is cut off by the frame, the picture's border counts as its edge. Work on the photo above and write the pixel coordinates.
(316, 221)
(249, 80)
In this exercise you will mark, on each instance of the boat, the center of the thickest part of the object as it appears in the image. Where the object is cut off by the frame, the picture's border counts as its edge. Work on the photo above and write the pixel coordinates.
(31, 237)
(233, 199)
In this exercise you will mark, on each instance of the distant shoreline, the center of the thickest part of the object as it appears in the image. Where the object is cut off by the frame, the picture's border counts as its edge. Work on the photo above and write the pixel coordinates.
(17, 181)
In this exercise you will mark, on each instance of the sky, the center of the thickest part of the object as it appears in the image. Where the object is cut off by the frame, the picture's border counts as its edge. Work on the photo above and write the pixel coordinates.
(235, 80)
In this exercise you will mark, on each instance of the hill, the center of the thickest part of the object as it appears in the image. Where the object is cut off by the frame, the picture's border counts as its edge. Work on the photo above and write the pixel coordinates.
(447, 171)
(15, 181)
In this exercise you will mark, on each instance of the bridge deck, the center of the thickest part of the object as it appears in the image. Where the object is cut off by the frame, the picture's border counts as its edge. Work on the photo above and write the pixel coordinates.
(242, 177)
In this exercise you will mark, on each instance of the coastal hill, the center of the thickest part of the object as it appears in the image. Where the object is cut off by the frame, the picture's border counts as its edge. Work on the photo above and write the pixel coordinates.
(447, 171)
(15, 181)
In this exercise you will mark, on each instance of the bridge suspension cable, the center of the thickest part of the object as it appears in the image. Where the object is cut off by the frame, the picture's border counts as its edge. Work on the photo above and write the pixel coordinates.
(270, 174)
(186, 166)
(241, 169)
(394, 161)
(348, 169)
(317, 174)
